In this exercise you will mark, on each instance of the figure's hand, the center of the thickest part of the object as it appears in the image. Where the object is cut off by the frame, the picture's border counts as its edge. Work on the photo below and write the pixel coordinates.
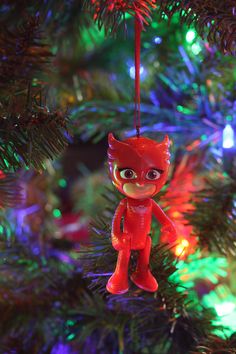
(120, 242)
(169, 234)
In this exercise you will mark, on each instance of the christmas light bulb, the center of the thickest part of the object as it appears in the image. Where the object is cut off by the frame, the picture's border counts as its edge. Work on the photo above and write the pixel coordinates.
(181, 248)
(228, 137)
(190, 36)
(224, 308)
(132, 71)
(157, 40)
(196, 48)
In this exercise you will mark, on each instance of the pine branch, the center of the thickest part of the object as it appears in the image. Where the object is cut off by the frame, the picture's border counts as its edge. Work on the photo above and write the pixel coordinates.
(34, 287)
(104, 116)
(164, 319)
(109, 14)
(29, 132)
(66, 308)
(23, 56)
(60, 21)
(10, 191)
(216, 345)
(174, 106)
(217, 18)
(31, 137)
(138, 323)
(214, 216)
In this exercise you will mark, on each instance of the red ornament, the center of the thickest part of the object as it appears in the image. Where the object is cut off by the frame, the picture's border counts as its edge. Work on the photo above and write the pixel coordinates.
(138, 168)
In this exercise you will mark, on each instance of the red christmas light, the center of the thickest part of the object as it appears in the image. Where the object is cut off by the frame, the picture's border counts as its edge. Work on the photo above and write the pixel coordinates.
(178, 201)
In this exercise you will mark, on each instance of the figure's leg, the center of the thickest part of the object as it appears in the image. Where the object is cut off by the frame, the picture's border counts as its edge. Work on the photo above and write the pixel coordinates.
(143, 277)
(118, 282)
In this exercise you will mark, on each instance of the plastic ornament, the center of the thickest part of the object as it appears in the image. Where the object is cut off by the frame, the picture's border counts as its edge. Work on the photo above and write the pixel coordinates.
(138, 168)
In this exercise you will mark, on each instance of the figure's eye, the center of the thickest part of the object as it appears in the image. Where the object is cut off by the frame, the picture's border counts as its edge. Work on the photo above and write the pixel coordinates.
(154, 174)
(127, 173)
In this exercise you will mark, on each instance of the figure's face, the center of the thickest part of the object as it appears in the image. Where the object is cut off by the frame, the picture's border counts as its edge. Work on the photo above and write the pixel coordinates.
(136, 183)
(138, 168)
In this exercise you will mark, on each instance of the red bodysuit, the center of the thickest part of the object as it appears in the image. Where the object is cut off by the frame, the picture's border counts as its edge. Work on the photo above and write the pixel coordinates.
(139, 169)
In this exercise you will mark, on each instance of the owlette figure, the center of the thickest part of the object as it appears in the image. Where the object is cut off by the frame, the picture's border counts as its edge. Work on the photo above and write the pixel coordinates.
(138, 168)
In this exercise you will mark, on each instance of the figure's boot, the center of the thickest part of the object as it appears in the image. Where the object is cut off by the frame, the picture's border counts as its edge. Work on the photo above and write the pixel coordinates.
(143, 277)
(118, 282)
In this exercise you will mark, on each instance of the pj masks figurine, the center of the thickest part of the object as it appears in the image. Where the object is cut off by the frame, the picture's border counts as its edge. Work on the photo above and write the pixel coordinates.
(138, 168)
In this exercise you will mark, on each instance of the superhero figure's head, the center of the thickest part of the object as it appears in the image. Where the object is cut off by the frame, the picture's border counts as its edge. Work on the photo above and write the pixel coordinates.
(138, 166)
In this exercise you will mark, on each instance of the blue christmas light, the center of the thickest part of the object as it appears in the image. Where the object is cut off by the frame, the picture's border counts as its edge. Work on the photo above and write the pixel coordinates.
(157, 40)
(61, 348)
(228, 137)
(132, 71)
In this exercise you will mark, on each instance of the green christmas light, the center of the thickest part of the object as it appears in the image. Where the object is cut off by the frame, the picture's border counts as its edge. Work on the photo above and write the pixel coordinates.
(146, 45)
(190, 36)
(35, 82)
(127, 16)
(71, 336)
(62, 183)
(1, 229)
(225, 308)
(54, 49)
(194, 268)
(183, 110)
(224, 304)
(154, 24)
(70, 323)
(56, 213)
(196, 48)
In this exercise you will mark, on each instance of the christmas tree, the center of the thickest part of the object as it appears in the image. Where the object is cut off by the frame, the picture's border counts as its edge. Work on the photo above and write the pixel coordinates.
(68, 78)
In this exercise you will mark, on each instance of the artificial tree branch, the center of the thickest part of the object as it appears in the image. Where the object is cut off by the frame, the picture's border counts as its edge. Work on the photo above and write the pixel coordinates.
(214, 20)
(29, 132)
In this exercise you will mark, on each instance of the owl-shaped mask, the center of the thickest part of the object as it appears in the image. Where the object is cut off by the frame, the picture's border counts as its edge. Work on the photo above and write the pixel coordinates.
(138, 166)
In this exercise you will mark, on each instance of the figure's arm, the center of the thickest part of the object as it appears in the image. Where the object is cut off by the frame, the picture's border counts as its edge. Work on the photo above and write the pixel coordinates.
(118, 238)
(168, 227)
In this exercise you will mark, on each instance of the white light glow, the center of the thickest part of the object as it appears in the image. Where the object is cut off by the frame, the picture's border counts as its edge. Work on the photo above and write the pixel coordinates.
(132, 71)
(224, 308)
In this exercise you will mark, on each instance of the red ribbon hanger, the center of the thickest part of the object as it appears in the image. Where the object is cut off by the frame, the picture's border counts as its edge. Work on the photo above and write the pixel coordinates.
(138, 30)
